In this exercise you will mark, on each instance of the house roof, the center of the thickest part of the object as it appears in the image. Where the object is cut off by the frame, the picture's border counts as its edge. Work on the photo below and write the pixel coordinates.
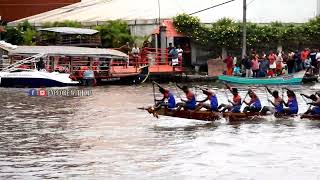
(68, 51)
(259, 11)
(70, 30)
(171, 30)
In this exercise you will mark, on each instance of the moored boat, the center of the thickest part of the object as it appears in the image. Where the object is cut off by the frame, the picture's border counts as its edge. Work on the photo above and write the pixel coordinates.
(15, 76)
(295, 78)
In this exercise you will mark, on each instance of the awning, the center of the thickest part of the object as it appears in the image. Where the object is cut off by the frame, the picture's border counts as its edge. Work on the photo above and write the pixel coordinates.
(70, 30)
(68, 51)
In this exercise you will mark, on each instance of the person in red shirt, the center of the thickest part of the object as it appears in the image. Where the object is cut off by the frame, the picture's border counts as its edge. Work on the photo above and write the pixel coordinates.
(272, 61)
(229, 63)
(304, 55)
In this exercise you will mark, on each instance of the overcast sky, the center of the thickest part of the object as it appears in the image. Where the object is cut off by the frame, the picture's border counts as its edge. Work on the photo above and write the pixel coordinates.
(258, 10)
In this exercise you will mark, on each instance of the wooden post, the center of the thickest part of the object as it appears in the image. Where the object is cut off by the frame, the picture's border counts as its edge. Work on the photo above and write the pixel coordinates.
(244, 29)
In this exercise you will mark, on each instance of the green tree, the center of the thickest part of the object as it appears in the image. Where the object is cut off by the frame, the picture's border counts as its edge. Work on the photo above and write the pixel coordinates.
(13, 36)
(114, 34)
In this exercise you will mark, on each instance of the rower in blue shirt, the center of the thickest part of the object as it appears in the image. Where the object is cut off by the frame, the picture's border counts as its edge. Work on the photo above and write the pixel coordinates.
(292, 103)
(187, 104)
(167, 95)
(277, 104)
(211, 96)
(254, 105)
(315, 102)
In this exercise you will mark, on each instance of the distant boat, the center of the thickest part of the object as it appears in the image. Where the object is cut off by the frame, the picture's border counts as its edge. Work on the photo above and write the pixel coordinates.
(295, 78)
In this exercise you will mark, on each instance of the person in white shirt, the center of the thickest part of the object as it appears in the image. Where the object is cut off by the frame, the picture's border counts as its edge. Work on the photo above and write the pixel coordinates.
(135, 51)
(180, 52)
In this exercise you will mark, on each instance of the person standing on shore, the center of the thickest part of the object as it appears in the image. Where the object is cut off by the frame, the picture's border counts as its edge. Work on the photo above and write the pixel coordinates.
(290, 62)
(255, 66)
(180, 53)
(272, 62)
(304, 56)
(246, 62)
(229, 63)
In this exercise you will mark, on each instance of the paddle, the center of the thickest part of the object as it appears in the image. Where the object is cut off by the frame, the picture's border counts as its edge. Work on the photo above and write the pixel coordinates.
(267, 95)
(302, 95)
(245, 97)
(177, 86)
(154, 93)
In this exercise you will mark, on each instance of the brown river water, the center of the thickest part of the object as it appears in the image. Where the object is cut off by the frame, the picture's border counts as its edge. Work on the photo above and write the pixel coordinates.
(104, 136)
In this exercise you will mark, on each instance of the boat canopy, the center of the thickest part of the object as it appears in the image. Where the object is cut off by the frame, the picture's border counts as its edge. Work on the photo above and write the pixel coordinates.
(68, 51)
(71, 30)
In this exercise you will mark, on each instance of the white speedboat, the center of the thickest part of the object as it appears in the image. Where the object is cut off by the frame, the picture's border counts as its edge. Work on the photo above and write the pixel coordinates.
(32, 78)
(35, 79)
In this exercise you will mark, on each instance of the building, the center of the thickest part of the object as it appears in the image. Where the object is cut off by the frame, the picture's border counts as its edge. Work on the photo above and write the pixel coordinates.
(12, 10)
(143, 15)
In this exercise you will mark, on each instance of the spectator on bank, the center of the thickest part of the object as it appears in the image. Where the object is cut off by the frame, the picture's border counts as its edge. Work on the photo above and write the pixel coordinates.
(313, 55)
(180, 53)
(174, 56)
(272, 61)
(270, 73)
(229, 63)
(126, 48)
(135, 51)
(279, 64)
(264, 66)
(237, 70)
(255, 66)
(297, 60)
(290, 62)
(246, 62)
(304, 56)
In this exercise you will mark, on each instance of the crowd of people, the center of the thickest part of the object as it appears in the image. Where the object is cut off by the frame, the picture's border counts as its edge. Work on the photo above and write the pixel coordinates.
(273, 64)
(254, 105)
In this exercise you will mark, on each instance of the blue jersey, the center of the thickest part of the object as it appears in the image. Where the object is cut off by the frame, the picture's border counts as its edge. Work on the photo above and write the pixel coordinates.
(279, 107)
(214, 103)
(293, 105)
(191, 104)
(171, 101)
(256, 104)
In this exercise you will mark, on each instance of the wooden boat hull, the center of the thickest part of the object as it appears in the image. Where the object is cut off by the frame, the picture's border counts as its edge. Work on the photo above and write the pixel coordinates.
(310, 117)
(198, 115)
(212, 116)
(281, 80)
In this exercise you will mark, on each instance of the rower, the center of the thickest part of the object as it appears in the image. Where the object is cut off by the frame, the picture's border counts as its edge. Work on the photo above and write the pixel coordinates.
(315, 102)
(235, 103)
(211, 96)
(190, 102)
(277, 103)
(292, 103)
(254, 105)
(167, 95)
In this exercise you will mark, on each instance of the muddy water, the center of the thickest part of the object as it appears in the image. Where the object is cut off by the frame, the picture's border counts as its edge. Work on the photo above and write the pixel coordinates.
(104, 136)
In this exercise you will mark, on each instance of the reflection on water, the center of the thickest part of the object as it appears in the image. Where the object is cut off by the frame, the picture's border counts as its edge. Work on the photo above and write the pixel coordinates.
(104, 136)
